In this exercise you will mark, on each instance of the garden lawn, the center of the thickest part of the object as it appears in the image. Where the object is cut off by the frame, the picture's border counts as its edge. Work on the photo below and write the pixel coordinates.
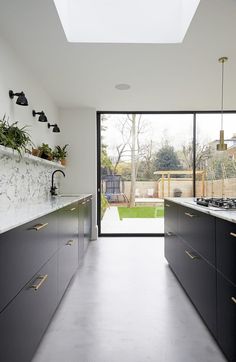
(141, 212)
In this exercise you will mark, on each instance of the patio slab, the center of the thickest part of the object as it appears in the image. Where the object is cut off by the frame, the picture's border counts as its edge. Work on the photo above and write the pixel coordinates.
(111, 223)
(147, 200)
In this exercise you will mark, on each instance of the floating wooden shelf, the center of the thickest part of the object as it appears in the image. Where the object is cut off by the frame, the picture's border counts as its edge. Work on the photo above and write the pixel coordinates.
(10, 152)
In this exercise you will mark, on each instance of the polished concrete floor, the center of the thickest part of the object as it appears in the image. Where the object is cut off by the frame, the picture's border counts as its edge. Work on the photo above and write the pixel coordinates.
(125, 305)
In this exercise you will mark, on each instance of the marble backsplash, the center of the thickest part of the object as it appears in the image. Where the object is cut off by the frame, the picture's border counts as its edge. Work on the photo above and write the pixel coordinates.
(25, 179)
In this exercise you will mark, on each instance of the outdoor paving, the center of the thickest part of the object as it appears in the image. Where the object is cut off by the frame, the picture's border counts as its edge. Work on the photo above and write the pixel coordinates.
(111, 223)
(148, 200)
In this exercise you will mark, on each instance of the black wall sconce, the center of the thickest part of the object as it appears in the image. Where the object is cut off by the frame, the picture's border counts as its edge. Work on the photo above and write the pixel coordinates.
(42, 116)
(21, 99)
(55, 129)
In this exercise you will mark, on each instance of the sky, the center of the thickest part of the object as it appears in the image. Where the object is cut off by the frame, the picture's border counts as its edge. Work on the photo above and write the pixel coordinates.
(176, 128)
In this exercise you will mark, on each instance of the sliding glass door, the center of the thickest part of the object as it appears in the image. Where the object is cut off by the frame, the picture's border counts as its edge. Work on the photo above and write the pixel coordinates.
(144, 158)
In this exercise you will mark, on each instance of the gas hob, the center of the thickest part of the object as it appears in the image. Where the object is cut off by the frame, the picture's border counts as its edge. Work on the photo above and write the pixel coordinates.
(218, 203)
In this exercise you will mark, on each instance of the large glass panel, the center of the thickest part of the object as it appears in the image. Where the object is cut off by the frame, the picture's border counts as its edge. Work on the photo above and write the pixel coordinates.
(216, 169)
(144, 158)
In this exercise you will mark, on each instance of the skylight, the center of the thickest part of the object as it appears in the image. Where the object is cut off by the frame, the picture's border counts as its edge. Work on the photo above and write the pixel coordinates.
(126, 21)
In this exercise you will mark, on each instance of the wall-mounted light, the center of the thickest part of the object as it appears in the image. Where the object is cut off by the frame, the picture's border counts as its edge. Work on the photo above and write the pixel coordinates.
(42, 116)
(55, 127)
(222, 146)
(21, 99)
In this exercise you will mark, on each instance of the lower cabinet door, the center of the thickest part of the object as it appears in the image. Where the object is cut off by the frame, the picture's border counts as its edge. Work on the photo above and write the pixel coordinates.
(171, 216)
(200, 284)
(198, 229)
(23, 251)
(174, 253)
(68, 223)
(81, 229)
(67, 265)
(25, 319)
(87, 222)
(226, 248)
(226, 317)
(196, 276)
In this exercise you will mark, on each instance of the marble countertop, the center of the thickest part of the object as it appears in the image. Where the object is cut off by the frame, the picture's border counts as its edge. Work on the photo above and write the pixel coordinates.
(12, 216)
(229, 215)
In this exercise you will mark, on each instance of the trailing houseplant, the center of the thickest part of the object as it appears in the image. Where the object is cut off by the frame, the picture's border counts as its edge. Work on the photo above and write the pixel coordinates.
(60, 154)
(14, 137)
(46, 152)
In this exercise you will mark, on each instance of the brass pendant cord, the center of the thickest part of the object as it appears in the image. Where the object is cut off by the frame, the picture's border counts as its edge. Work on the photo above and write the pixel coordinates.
(222, 146)
(222, 95)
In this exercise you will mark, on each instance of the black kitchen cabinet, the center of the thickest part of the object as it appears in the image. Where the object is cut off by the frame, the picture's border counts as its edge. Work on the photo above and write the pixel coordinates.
(68, 224)
(199, 281)
(68, 246)
(87, 222)
(23, 251)
(172, 240)
(171, 217)
(173, 251)
(85, 215)
(37, 262)
(24, 321)
(196, 276)
(226, 316)
(68, 254)
(226, 286)
(198, 229)
(202, 255)
(67, 264)
(81, 229)
(226, 248)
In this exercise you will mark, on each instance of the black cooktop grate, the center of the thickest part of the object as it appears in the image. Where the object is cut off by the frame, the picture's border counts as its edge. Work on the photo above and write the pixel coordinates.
(223, 203)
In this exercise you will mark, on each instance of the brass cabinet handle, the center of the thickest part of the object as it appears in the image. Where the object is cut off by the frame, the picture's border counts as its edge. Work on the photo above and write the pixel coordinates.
(70, 242)
(167, 205)
(233, 234)
(190, 215)
(190, 255)
(233, 299)
(73, 208)
(42, 279)
(40, 226)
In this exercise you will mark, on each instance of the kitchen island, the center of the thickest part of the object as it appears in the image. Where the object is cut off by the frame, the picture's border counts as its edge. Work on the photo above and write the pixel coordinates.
(200, 247)
(41, 245)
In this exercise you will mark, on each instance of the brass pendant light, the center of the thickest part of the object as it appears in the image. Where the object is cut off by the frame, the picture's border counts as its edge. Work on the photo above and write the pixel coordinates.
(222, 146)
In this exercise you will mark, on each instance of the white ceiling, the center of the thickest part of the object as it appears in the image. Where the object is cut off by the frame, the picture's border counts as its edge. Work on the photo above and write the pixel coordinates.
(162, 77)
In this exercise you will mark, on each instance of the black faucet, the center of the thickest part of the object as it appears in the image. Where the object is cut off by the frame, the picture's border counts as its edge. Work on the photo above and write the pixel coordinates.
(53, 188)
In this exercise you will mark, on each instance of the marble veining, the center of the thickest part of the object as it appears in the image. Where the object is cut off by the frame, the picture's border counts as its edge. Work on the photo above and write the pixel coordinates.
(24, 179)
(189, 202)
(15, 215)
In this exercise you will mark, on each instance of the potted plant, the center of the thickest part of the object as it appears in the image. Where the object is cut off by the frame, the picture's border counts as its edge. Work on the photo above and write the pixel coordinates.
(36, 152)
(14, 137)
(46, 152)
(60, 154)
(177, 192)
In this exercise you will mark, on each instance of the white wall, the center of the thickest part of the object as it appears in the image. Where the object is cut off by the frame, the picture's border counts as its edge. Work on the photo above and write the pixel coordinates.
(79, 131)
(15, 76)
(78, 126)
